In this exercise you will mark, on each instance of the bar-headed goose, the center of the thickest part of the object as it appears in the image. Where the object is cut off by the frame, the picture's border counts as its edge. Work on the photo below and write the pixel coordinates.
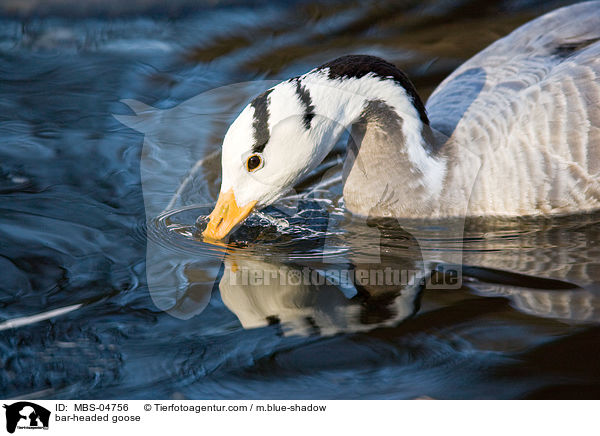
(513, 131)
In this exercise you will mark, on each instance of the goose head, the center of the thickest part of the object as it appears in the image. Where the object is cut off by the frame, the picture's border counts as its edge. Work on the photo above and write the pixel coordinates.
(266, 150)
(285, 132)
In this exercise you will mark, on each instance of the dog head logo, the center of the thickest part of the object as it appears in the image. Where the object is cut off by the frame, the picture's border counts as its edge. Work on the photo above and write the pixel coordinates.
(26, 415)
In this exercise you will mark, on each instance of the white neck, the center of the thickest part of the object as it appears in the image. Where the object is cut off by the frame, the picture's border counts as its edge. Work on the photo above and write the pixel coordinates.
(340, 104)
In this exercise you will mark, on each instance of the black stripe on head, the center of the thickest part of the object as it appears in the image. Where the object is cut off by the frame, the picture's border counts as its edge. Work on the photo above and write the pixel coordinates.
(261, 121)
(304, 97)
(357, 66)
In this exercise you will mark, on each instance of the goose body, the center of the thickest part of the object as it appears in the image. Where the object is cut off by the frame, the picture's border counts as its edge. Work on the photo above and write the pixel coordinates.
(514, 131)
(529, 107)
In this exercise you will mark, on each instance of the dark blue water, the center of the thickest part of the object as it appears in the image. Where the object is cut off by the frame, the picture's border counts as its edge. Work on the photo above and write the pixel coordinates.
(104, 294)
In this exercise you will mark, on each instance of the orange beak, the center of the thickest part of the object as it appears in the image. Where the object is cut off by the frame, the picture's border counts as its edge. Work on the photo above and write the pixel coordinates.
(226, 216)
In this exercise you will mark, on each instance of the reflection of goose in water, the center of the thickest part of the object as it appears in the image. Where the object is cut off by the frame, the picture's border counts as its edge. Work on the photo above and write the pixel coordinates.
(522, 120)
(304, 302)
(262, 290)
(561, 249)
(575, 305)
(327, 298)
(311, 300)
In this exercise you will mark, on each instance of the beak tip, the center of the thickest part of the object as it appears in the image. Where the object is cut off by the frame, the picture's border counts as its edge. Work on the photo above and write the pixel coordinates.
(212, 236)
(225, 217)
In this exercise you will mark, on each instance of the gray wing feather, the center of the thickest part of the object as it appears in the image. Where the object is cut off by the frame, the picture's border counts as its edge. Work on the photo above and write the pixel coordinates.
(524, 57)
(529, 105)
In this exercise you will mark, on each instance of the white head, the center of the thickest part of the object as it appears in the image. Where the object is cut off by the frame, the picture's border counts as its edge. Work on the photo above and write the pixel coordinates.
(271, 144)
(288, 130)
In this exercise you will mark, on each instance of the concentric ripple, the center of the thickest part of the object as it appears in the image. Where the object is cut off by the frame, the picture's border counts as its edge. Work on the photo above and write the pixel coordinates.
(291, 231)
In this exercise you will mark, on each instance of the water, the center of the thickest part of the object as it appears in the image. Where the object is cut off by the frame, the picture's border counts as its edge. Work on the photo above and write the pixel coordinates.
(105, 294)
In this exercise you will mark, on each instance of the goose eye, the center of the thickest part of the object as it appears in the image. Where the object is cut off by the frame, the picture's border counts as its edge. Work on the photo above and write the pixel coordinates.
(253, 162)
